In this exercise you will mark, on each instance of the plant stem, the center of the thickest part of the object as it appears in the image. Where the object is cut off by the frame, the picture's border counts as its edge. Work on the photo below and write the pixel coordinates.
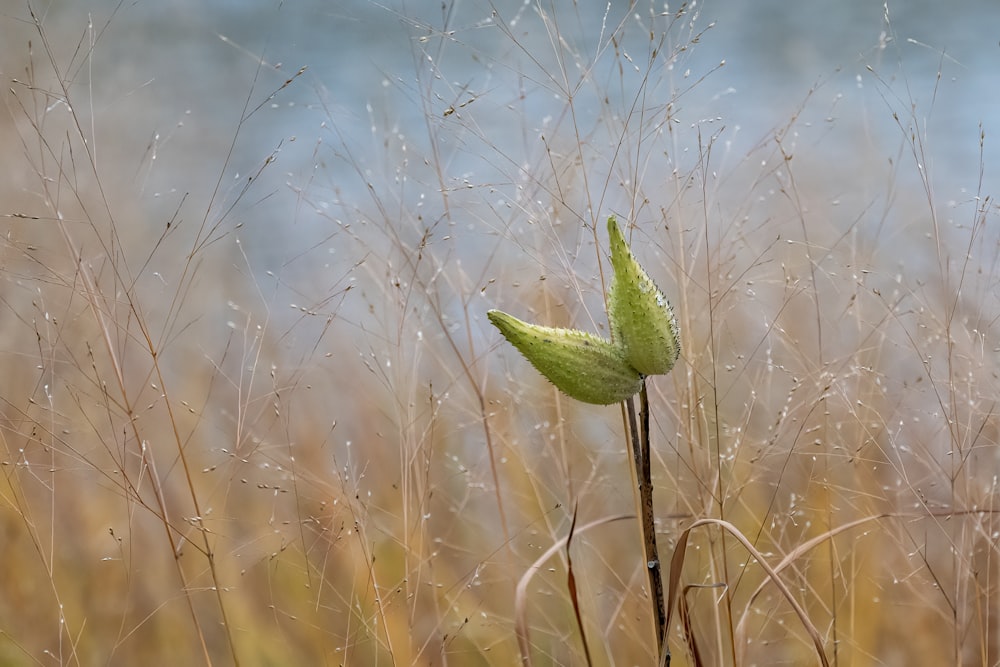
(644, 485)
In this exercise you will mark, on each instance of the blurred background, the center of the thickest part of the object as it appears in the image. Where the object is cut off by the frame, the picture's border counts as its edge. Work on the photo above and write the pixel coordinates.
(253, 412)
(172, 80)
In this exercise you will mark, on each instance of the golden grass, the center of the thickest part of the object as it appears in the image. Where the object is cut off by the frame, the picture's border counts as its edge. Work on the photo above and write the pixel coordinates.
(210, 458)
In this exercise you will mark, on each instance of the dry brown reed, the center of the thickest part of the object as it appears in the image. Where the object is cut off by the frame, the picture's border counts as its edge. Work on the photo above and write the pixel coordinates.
(224, 456)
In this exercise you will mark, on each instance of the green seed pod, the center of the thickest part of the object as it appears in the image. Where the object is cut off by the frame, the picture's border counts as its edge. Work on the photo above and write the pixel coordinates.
(582, 366)
(641, 318)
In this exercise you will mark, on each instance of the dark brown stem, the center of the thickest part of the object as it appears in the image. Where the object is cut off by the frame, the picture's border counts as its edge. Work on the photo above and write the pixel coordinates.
(644, 481)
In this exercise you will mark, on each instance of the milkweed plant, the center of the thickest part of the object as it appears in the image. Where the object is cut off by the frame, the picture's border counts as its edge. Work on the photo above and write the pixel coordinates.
(644, 341)
(644, 337)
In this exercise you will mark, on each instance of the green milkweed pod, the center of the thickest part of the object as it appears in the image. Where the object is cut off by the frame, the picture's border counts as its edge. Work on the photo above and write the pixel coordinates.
(582, 366)
(640, 317)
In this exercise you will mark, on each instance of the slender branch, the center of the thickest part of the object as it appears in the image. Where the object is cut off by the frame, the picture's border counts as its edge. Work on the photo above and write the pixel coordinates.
(644, 486)
(649, 527)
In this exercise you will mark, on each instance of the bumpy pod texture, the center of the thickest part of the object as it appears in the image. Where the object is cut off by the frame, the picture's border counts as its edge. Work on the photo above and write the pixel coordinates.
(595, 370)
(582, 366)
(641, 318)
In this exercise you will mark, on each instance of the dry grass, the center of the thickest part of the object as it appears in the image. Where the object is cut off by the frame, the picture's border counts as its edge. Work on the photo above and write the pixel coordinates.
(318, 452)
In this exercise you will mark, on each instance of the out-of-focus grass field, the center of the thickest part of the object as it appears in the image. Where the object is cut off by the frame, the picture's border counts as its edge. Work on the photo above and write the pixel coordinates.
(293, 439)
